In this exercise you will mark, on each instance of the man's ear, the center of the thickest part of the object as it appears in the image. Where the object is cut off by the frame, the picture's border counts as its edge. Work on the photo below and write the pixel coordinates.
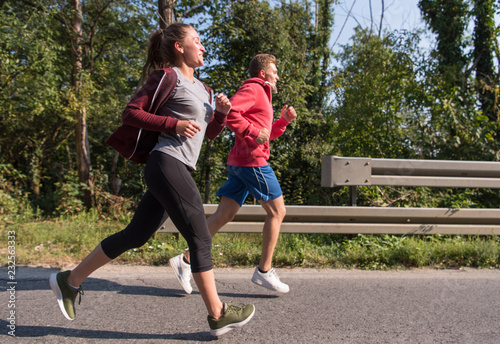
(178, 47)
(262, 74)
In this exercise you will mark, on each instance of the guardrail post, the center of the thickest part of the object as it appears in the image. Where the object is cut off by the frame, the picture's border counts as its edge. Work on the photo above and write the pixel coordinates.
(353, 196)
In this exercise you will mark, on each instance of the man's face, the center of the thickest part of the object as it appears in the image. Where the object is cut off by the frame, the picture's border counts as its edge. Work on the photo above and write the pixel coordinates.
(271, 74)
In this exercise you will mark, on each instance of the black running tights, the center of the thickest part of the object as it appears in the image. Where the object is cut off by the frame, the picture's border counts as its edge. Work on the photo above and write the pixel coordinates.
(171, 192)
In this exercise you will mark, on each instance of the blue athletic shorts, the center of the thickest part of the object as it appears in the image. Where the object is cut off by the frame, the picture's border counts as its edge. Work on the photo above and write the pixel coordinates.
(260, 182)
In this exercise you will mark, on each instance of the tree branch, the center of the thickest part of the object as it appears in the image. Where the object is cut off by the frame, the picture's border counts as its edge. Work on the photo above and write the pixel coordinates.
(93, 29)
(343, 25)
(93, 26)
(42, 9)
(193, 8)
(57, 16)
(381, 19)
(9, 79)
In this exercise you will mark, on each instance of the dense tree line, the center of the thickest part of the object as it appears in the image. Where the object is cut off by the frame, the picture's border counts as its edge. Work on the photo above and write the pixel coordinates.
(68, 68)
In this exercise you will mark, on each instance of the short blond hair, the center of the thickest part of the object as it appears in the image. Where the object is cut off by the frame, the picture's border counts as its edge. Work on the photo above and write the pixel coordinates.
(260, 62)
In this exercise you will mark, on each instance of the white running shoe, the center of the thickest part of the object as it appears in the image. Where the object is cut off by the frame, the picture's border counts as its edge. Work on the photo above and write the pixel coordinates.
(269, 280)
(182, 271)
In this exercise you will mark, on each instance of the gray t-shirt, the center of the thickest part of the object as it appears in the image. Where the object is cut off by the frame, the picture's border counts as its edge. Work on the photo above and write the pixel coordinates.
(189, 101)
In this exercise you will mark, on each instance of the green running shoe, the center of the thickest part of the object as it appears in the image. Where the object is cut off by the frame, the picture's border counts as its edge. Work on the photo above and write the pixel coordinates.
(232, 317)
(65, 293)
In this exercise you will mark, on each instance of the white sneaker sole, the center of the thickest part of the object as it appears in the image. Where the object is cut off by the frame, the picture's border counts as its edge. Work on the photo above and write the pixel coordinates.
(267, 286)
(175, 266)
(227, 328)
(57, 291)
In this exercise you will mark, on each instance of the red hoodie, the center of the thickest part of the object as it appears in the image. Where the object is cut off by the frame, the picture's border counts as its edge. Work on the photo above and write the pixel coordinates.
(251, 111)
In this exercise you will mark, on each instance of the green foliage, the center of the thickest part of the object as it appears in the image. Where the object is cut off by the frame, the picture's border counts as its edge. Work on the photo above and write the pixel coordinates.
(296, 159)
(380, 96)
(389, 251)
(240, 30)
(157, 251)
(408, 110)
(374, 90)
(36, 97)
(484, 33)
(448, 20)
(32, 98)
(451, 125)
(14, 204)
(455, 126)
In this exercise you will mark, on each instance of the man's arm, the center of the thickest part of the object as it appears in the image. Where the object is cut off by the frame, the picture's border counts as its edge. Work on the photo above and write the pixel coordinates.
(288, 114)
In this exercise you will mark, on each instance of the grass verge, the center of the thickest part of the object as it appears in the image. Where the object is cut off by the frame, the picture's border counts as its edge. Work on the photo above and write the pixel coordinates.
(65, 241)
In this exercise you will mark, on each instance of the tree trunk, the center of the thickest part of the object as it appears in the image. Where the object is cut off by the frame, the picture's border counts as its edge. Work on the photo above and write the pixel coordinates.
(483, 54)
(166, 9)
(115, 181)
(81, 135)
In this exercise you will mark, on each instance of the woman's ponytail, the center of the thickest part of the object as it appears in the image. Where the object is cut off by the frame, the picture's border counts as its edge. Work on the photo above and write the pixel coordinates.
(161, 48)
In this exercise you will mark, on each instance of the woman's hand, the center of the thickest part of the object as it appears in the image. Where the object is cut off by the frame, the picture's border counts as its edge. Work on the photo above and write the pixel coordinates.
(222, 104)
(187, 128)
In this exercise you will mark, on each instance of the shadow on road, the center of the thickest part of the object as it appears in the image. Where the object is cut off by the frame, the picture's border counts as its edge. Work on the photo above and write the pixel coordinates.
(42, 331)
(39, 280)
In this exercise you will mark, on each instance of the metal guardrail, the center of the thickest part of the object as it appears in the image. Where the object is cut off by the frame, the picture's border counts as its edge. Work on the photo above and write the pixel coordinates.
(352, 172)
(367, 220)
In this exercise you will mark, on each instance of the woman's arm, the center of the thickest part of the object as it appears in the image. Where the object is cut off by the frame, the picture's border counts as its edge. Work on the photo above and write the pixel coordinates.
(218, 121)
(140, 111)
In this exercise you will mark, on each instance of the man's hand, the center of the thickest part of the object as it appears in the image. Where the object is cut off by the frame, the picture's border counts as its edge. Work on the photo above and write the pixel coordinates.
(288, 113)
(187, 128)
(222, 104)
(263, 136)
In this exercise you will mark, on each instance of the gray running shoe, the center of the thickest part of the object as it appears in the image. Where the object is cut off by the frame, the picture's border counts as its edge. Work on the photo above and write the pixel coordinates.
(182, 271)
(269, 280)
(232, 317)
(65, 294)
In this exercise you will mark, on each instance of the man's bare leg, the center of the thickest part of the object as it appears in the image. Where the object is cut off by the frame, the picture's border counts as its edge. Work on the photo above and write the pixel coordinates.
(265, 275)
(226, 210)
(276, 212)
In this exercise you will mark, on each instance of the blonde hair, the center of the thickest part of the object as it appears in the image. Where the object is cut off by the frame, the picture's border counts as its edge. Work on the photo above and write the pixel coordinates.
(161, 48)
(260, 62)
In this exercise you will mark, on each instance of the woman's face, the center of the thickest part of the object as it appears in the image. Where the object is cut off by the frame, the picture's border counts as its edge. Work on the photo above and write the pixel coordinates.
(191, 49)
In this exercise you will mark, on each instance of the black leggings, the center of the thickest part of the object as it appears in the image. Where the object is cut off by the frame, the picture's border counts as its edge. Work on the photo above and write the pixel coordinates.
(171, 192)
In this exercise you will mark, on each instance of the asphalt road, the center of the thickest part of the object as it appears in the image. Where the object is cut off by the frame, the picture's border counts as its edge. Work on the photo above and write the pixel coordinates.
(137, 304)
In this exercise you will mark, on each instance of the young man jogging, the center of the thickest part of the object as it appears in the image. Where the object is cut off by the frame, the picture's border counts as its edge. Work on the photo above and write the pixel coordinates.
(251, 119)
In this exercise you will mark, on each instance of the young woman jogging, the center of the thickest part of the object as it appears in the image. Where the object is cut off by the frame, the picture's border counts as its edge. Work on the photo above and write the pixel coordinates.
(178, 106)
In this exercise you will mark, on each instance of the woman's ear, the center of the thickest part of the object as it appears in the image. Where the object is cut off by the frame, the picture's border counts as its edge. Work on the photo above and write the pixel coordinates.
(178, 47)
